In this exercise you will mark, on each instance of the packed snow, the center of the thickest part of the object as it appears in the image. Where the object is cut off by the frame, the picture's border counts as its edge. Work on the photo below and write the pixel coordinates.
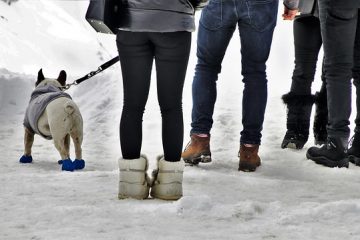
(288, 197)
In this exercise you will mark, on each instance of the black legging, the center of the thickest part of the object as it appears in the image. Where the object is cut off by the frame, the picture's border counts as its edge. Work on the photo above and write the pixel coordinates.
(171, 53)
(307, 41)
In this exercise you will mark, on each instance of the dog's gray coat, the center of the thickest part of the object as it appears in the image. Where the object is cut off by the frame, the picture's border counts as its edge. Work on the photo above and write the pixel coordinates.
(40, 98)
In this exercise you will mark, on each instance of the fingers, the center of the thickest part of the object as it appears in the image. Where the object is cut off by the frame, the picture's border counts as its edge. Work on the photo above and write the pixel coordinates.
(289, 14)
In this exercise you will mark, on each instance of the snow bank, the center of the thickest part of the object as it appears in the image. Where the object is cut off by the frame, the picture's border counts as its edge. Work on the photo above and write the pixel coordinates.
(39, 34)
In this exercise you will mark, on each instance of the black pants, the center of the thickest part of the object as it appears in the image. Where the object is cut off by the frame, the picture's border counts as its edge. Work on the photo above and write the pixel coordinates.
(137, 50)
(356, 75)
(307, 41)
(340, 31)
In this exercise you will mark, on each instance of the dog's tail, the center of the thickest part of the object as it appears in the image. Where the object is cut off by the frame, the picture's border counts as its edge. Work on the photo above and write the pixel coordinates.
(73, 118)
(69, 107)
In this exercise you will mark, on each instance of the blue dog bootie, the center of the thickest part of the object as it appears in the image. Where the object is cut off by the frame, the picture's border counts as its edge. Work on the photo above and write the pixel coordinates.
(79, 164)
(25, 159)
(67, 165)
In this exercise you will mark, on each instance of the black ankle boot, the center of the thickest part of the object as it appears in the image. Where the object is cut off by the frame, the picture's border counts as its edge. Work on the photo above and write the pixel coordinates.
(295, 138)
(298, 119)
(354, 151)
(321, 118)
(331, 154)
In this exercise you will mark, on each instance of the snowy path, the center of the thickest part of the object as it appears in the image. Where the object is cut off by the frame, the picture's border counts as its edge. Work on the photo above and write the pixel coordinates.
(288, 197)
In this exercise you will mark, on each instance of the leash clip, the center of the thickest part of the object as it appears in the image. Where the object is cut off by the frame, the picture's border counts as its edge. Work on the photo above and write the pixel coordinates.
(67, 86)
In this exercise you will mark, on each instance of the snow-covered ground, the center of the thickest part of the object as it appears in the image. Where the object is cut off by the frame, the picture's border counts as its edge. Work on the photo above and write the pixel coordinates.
(288, 197)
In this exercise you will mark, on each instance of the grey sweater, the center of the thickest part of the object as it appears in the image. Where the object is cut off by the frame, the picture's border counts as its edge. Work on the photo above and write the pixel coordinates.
(40, 98)
(157, 16)
(292, 4)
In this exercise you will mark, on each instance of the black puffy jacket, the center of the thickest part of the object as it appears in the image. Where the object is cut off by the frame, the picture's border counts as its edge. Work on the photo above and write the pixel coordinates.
(157, 15)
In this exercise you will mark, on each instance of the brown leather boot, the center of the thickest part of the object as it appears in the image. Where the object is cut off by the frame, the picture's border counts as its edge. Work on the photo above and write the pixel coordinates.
(249, 158)
(197, 150)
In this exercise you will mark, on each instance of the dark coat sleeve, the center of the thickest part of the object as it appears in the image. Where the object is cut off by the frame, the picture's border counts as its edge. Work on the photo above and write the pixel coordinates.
(291, 4)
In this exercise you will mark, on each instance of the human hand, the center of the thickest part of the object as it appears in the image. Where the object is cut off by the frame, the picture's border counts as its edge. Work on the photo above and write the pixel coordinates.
(289, 14)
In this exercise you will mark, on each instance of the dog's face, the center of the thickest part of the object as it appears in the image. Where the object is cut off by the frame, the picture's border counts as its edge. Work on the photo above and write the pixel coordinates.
(59, 82)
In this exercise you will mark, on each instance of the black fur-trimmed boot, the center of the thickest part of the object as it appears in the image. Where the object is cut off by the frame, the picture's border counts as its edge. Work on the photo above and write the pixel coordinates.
(321, 118)
(298, 119)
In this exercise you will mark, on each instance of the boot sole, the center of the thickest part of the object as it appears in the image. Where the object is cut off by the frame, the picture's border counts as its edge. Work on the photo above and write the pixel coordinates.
(136, 191)
(200, 159)
(248, 167)
(166, 198)
(291, 145)
(167, 191)
(319, 142)
(328, 162)
(355, 160)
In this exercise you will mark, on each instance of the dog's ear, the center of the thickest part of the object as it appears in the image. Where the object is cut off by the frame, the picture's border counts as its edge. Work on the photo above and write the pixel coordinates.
(62, 78)
(40, 77)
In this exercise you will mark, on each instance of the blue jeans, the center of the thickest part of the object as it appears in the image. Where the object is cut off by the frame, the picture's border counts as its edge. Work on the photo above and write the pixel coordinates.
(256, 20)
(341, 34)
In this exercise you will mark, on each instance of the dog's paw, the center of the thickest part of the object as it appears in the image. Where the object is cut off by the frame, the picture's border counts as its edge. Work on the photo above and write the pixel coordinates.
(67, 165)
(25, 159)
(79, 164)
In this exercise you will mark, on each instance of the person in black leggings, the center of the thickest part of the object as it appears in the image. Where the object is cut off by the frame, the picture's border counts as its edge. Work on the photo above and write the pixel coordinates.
(137, 51)
(299, 101)
(151, 31)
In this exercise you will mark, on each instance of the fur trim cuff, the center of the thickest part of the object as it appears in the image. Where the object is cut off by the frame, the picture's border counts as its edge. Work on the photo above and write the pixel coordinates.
(321, 98)
(291, 98)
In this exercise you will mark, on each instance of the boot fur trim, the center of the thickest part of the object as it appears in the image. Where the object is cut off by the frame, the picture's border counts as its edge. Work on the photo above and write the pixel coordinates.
(292, 99)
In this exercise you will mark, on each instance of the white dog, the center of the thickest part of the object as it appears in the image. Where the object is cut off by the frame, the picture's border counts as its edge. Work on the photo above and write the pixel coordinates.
(52, 114)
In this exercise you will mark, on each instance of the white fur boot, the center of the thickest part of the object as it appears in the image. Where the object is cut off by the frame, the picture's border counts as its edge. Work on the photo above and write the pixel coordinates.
(133, 178)
(168, 177)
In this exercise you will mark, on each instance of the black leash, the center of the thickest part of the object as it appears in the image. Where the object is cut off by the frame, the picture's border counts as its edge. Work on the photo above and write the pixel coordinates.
(93, 73)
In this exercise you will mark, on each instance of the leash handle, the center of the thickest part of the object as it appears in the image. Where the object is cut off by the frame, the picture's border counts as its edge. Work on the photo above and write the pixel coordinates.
(93, 73)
